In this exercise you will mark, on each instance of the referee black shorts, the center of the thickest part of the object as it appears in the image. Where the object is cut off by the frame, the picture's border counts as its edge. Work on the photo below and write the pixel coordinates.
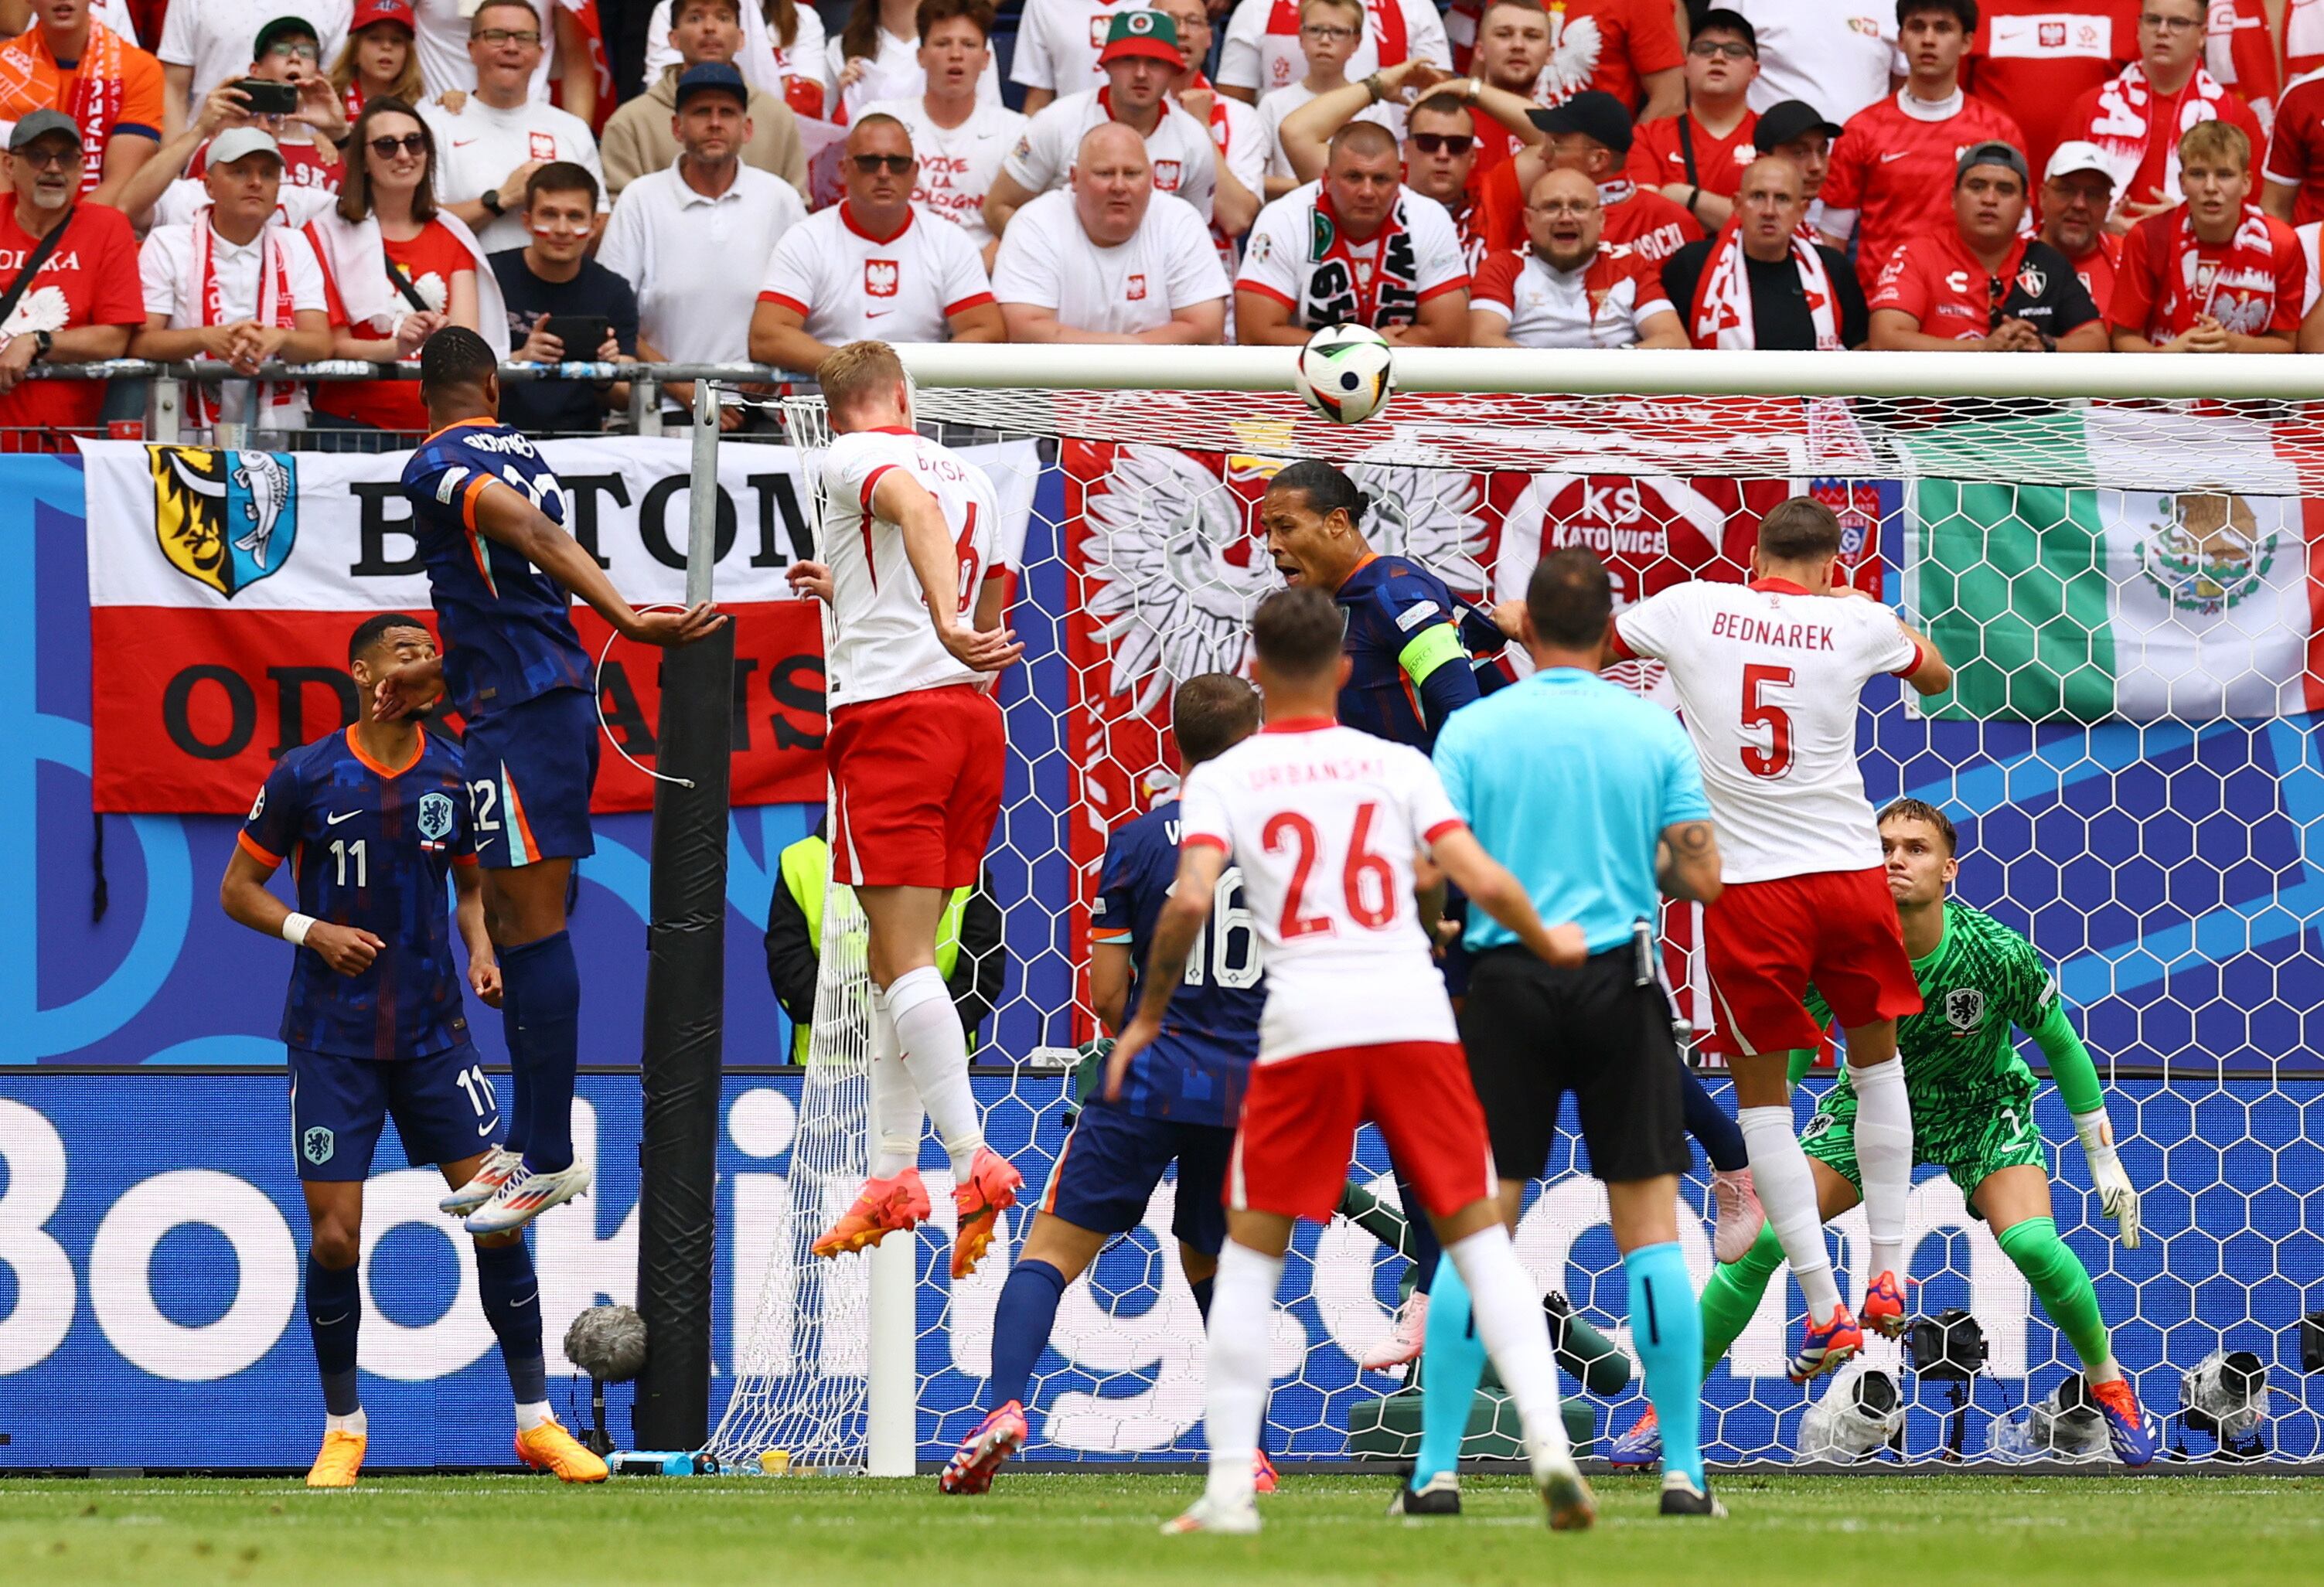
(1533, 1031)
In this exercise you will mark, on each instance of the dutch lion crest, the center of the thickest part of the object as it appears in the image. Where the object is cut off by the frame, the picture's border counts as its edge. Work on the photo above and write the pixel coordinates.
(1965, 1010)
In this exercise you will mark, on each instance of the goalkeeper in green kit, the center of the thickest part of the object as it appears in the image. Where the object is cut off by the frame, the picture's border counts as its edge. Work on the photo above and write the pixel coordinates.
(1972, 1114)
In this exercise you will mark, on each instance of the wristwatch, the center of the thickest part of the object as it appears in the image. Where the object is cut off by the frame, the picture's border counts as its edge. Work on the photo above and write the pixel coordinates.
(42, 342)
(490, 200)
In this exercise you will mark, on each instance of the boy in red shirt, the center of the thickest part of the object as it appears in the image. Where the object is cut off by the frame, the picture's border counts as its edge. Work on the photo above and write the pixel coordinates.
(2214, 274)
(1696, 158)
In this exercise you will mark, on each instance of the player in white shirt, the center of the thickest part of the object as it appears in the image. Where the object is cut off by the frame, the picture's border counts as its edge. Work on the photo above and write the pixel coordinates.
(959, 139)
(1358, 248)
(1325, 822)
(1768, 677)
(1105, 261)
(912, 586)
(1141, 58)
(1567, 289)
(871, 267)
(1263, 47)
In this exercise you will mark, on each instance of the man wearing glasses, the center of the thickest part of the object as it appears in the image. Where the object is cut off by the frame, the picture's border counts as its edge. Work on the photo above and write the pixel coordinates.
(204, 43)
(871, 267)
(89, 300)
(2137, 117)
(70, 63)
(1696, 158)
(1329, 33)
(1564, 290)
(488, 149)
(1262, 50)
(447, 61)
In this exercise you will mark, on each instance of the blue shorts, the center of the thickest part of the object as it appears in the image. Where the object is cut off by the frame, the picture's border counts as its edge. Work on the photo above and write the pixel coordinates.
(1112, 1160)
(443, 1107)
(529, 770)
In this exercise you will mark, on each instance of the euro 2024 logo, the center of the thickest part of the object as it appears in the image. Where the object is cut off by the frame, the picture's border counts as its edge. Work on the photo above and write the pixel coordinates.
(224, 519)
(2204, 551)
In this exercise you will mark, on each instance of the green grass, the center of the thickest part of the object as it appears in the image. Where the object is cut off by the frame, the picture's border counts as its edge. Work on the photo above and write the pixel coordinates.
(1044, 1531)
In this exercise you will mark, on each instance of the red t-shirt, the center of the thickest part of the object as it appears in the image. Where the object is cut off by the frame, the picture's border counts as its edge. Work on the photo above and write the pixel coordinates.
(428, 261)
(2295, 150)
(1895, 170)
(89, 278)
(1647, 223)
(1635, 38)
(2097, 269)
(2255, 282)
(1657, 158)
(2034, 58)
(2105, 116)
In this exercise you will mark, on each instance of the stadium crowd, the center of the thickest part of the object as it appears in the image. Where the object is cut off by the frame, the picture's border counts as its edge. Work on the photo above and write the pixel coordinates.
(252, 180)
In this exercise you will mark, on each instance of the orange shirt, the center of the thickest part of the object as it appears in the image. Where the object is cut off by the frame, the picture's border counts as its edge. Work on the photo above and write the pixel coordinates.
(114, 88)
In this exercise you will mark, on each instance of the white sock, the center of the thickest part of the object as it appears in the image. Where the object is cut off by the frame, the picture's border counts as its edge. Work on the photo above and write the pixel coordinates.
(896, 1116)
(1505, 1311)
(528, 1416)
(1883, 1156)
(935, 1053)
(1787, 1193)
(358, 1424)
(1234, 1369)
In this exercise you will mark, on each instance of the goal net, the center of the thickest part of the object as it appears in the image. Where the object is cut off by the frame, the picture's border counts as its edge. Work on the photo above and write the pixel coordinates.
(2131, 587)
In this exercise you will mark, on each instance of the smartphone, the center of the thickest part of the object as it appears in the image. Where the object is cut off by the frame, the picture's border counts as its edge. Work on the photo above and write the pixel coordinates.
(269, 98)
(581, 333)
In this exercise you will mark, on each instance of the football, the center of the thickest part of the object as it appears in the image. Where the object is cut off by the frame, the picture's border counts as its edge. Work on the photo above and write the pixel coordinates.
(1345, 372)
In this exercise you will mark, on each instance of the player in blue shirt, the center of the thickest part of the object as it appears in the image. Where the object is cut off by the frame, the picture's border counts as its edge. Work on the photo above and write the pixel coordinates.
(371, 820)
(490, 520)
(1179, 1100)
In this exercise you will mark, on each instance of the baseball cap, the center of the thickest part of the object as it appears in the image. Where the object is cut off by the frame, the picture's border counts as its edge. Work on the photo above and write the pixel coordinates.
(276, 29)
(1992, 151)
(1793, 118)
(235, 142)
(1142, 32)
(712, 76)
(2075, 155)
(394, 11)
(1598, 117)
(1731, 22)
(42, 123)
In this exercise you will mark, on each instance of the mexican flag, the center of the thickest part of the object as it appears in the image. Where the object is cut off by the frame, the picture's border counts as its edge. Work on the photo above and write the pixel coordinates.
(2147, 564)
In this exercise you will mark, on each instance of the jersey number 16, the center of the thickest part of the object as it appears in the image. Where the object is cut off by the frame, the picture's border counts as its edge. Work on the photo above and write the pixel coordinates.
(1226, 950)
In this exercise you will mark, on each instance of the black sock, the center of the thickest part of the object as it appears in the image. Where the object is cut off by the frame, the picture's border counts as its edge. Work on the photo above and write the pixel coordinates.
(334, 1318)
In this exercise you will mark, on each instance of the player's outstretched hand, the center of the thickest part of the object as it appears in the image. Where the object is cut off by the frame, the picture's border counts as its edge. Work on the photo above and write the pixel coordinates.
(812, 579)
(983, 649)
(677, 628)
(1136, 1039)
(401, 690)
(484, 981)
(345, 949)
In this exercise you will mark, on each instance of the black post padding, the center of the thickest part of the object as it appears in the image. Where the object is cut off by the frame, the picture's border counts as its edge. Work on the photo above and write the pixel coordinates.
(685, 964)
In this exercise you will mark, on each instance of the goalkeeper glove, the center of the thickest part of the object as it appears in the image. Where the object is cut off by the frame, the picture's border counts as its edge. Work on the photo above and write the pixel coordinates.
(2117, 1198)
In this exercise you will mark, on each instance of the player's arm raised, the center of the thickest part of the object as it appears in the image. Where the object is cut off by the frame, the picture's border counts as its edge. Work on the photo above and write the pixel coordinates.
(504, 514)
(1491, 888)
(1184, 915)
(907, 503)
(1686, 861)
(1932, 674)
(244, 896)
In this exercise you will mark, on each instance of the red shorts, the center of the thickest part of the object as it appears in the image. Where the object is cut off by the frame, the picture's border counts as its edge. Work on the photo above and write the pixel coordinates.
(915, 788)
(1300, 1116)
(1764, 941)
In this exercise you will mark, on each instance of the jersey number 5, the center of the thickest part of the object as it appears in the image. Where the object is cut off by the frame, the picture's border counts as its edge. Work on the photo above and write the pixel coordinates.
(1287, 830)
(1775, 760)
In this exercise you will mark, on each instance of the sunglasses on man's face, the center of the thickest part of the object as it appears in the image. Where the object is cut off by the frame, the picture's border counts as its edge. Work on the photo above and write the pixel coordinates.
(1453, 144)
(40, 159)
(872, 165)
(414, 143)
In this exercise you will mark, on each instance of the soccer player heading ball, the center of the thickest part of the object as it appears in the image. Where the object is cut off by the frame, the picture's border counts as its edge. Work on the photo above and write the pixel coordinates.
(1325, 822)
(912, 588)
(490, 521)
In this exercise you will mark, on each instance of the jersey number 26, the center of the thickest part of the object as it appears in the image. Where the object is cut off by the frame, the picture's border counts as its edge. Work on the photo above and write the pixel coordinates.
(1367, 879)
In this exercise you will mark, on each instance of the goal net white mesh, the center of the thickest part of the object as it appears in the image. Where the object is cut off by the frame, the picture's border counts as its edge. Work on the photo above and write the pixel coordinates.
(2133, 593)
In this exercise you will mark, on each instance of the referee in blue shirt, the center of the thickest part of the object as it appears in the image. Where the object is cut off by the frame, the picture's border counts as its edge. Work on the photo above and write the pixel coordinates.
(1594, 798)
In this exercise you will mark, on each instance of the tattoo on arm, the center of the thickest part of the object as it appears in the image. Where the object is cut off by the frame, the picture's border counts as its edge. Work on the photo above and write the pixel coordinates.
(1684, 849)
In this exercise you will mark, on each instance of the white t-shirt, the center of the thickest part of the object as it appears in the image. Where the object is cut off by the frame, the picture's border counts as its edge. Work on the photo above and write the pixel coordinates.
(214, 36)
(441, 38)
(1179, 148)
(956, 163)
(1603, 304)
(877, 641)
(477, 150)
(1262, 43)
(1767, 678)
(1167, 264)
(1278, 103)
(764, 63)
(1834, 55)
(1058, 40)
(165, 268)
(895, 74)
(1414, 256)
(184, 198)
(851, 286)
(680, 251)
(1342, 812)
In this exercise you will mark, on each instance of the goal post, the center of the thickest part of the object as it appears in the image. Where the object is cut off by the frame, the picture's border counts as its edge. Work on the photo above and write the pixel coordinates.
(2123, 557)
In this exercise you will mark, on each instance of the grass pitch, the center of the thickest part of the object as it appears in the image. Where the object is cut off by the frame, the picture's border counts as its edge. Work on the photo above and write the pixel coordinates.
(1047, 1531)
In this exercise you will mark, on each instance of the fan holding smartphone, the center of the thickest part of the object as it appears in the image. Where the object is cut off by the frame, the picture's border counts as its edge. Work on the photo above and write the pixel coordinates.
(563, 306)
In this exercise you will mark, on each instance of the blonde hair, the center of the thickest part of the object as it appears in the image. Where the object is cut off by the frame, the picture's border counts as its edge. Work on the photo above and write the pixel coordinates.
(2216, 140)
(857, 372)
(406, 85)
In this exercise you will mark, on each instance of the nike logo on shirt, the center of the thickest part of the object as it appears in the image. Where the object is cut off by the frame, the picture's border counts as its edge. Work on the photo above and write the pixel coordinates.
(1885, 158)
(342, 816)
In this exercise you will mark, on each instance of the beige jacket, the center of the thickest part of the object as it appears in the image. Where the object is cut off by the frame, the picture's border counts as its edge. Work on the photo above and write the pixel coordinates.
(637, 138)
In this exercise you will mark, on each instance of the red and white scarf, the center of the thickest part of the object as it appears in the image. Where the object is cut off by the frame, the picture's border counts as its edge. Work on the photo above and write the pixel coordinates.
(201, 301)
(1722, 314)
(2189, 286)
(1368, 267)
(93, 93)
(2124, 124)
